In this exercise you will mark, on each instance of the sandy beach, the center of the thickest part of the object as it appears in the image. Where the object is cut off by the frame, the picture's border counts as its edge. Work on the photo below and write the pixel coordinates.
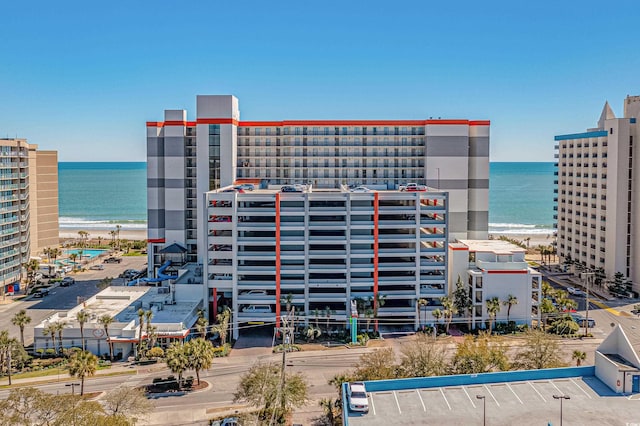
(125, 234)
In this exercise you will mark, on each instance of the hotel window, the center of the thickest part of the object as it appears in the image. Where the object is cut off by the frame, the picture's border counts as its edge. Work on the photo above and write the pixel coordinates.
(267, 131)
(257, 132)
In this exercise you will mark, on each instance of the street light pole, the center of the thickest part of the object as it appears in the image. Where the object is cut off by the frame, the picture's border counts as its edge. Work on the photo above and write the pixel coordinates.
(561, 397)
(73, 387)
(484, 409)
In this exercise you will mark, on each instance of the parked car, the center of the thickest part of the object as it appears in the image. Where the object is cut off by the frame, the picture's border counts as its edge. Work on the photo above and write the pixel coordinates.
(257, 309)
(255, 292)
(222, 219)
(67, 281)
(229, 421)
(246, 187)
(290, 188)
(112, 260)
(360, 189)
(357, 395)
(96, 267)
(582, 320)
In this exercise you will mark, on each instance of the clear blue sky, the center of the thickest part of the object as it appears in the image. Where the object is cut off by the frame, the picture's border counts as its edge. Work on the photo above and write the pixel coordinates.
(83, 77)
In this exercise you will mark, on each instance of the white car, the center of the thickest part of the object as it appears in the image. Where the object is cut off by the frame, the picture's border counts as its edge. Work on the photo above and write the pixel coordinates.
(360, 189)
(257, 309)
(357, 397)
(255, 292)
(571, 290)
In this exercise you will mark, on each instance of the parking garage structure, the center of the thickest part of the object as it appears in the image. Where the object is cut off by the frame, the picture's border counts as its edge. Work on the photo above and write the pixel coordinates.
(321, 249)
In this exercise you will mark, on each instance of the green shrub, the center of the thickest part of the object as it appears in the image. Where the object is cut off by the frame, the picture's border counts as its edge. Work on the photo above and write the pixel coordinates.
(50, 351)
(155, 352)
(222, 351)
(290, 348)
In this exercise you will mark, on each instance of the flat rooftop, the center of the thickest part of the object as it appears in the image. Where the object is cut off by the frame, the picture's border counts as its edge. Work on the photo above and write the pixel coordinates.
(491, 246)
(525, 402)
(310, 189)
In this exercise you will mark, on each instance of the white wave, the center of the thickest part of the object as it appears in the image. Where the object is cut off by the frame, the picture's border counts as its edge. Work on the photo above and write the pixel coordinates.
(522, 231)
(511, 225)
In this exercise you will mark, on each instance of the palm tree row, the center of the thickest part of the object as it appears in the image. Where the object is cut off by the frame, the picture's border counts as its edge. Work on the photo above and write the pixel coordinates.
(197, 354)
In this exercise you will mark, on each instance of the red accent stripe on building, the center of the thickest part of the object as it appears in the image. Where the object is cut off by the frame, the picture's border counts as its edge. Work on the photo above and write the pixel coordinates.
(156, 240)
(217, 121)
(361, 123)
(375, 253)
(215, 303)
(507, 271)
(458, 248)
(334, 123)
(277, 259)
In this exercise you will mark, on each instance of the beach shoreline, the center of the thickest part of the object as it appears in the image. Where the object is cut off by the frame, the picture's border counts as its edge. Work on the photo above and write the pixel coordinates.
(94, 234)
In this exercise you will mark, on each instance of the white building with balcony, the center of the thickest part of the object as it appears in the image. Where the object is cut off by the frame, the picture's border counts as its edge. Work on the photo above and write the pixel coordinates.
(495, 268)
(323, 248)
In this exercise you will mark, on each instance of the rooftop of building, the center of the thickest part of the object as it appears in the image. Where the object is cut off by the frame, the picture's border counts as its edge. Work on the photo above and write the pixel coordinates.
(302, 188)
(488, 246)
(518, 397)
(123, 303)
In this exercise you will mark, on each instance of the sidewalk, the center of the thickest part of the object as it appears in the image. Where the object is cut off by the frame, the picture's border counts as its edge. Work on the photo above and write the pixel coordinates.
(116, 369)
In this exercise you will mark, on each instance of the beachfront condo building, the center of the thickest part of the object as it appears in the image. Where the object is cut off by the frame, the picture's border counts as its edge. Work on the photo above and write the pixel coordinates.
(28, 206)
(187, 158)
(597, 194)
(326, 254)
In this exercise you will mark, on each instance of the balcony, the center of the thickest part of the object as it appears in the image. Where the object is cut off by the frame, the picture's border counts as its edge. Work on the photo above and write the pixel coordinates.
(509, 266)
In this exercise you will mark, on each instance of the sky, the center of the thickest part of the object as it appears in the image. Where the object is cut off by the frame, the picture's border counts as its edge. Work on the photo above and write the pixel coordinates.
(83, 77)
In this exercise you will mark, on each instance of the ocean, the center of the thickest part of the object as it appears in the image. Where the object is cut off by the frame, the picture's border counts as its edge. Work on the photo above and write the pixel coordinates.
(100, 195)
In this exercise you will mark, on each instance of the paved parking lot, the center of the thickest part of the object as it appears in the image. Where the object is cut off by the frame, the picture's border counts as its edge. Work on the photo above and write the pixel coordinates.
(508, 403)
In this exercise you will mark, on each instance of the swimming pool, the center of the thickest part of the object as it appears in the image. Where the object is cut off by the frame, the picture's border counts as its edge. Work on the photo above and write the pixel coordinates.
(90, 253)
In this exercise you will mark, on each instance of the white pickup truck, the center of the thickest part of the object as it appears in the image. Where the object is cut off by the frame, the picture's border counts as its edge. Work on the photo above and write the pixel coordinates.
(412, 187)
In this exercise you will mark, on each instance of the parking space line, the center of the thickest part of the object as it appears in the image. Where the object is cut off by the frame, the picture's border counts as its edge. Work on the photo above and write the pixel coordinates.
(467, 393)
(580, 387)
(397, 403)
(515, 394)
(494, 398)
(539, 394)
(421, 401)
(554, 385)
(372, 404)
(445, 399)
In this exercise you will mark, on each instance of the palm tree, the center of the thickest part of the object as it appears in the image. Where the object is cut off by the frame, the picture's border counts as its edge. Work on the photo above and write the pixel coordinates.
(176, 358)
(423, 303)
(141, 324)
(368, 314)
(511, 300)
(200, 354)
(82, 318)
(106, 320)
(112, 234)
(316, 314)
(81, 365)
(546, 307)
(20, 320)
(148, 315)
(118, 228)
(377, 303)
(437, 314)
(50, 330)
(327, 315)
(493, 307)
(59, 327)
(449, 310)
(222, 328)
(73, 257)
(201, 326)
(32, 268)
(84, 236)
(579, 356)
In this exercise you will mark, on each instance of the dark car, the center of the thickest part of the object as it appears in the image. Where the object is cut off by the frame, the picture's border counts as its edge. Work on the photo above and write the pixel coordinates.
(67, 281)
(41, 293)
(112, 260)
(290, 188)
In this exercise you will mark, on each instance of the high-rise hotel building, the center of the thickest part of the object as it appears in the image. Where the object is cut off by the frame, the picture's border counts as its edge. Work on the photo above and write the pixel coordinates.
(597, 194)
(28, 206)
(187, 158)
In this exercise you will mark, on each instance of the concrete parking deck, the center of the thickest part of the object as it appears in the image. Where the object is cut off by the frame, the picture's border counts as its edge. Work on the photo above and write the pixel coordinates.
(522, 402)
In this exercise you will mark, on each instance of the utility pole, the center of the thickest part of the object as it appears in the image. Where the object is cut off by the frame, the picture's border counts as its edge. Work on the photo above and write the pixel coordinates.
(287, 340)
(10, 348)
